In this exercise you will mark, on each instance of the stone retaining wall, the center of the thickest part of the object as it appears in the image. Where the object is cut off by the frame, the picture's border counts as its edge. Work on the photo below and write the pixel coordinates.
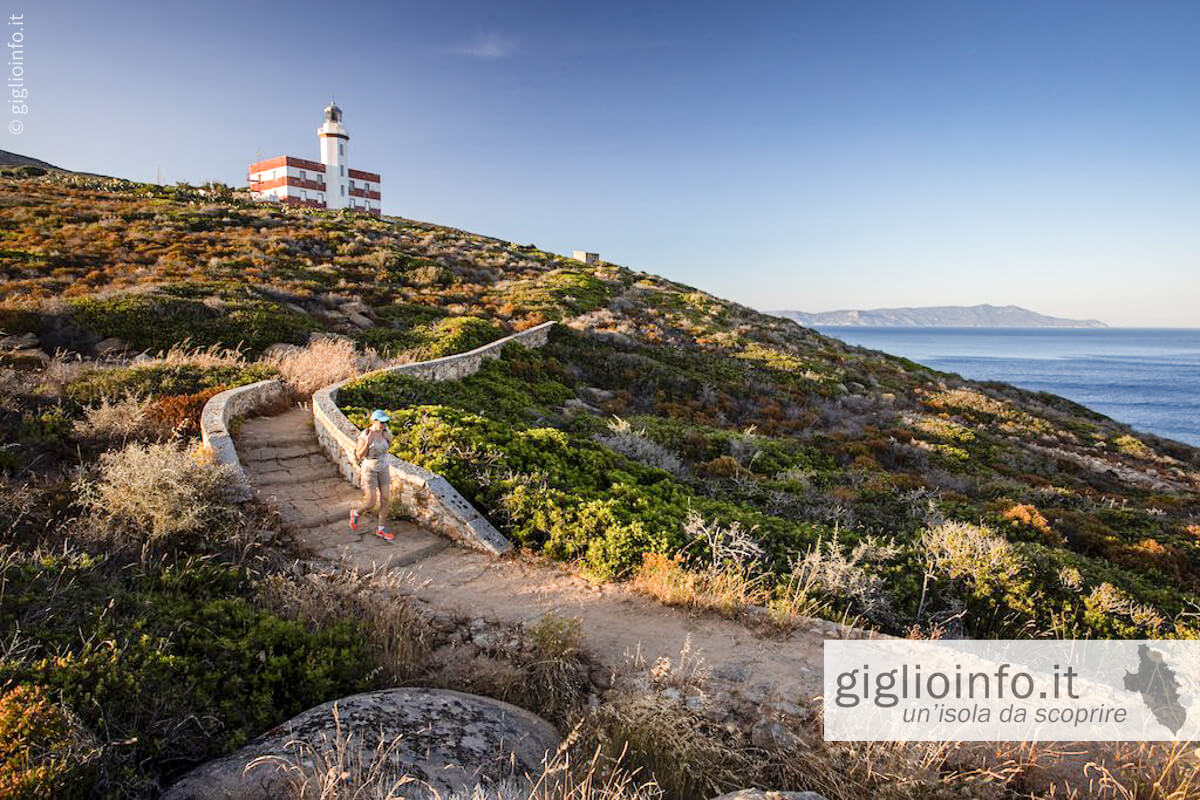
(429, 497)
(220, 410)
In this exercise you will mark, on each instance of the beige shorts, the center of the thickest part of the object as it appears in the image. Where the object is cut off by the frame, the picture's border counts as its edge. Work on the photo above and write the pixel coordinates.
(374, 475)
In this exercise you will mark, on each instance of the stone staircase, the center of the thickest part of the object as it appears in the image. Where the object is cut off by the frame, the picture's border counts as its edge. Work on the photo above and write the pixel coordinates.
(290, 472)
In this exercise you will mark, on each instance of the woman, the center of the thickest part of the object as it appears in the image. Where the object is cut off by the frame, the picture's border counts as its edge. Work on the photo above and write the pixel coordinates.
(369, 453)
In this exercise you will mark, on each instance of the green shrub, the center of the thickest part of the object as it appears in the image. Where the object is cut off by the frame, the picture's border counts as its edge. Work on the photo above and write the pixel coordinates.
(169, 664)
(162, 380)
(458, 335)
(157, 321)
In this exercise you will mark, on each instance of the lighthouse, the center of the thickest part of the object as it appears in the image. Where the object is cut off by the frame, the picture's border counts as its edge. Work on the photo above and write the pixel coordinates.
(329, 183)
(334, 141)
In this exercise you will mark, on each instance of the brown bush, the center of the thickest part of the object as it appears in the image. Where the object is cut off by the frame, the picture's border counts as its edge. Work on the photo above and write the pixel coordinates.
(44, 752)
(152, 492)
(321, 362)
(179, 414)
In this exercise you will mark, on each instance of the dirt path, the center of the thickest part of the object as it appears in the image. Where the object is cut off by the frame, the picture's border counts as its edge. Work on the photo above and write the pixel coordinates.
(284, 464)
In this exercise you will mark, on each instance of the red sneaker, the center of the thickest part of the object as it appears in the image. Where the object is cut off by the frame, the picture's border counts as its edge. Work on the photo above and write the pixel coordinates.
(354, 519)
(384, 533)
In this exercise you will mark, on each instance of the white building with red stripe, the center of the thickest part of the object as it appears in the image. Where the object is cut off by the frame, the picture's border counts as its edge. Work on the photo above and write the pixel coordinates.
(329, 183)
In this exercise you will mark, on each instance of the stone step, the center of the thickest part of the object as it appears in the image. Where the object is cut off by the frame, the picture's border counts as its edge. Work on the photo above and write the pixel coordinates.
(405, 559)
(306, 475)
(329, 518)
(256, 455)
(256, 438)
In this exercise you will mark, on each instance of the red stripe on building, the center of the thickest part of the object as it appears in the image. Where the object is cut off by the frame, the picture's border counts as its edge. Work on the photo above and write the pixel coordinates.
(286, 180)
(365, 176)
(286, 161)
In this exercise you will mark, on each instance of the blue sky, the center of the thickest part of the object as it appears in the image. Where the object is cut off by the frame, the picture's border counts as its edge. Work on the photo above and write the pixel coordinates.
(810, 155)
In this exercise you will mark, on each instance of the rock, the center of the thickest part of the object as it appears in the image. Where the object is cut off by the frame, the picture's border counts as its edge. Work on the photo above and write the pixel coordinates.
(447, 741)
(601, 678)
(359, 320)
(266, 535)
(769, 734)
(732, 673)
(595, 395)
(110, 347)
(21, 341)
(765, 794)
(486, 640)
(25, 359)
(278, 350)
(575, 405)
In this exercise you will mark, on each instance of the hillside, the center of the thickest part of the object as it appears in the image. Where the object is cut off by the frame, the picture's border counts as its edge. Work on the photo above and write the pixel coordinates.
(707, 455)
(746, 419)
(8, 159)
(980, 316)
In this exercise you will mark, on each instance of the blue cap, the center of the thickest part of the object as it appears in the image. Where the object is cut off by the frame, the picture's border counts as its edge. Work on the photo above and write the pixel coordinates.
(380, 415)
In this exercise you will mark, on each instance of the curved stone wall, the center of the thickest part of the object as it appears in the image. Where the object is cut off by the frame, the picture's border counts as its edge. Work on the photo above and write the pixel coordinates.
(220, 410)
(429, 497)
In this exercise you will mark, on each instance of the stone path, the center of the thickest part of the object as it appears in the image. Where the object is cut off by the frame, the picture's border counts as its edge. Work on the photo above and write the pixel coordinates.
(284, 464)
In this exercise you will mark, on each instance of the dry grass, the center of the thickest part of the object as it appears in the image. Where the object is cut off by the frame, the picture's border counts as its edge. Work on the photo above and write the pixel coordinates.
(117, 421)
(321, 362)
(340, 765)
(184, 353)
(152, 492)
(728, 591)
(1148, 771)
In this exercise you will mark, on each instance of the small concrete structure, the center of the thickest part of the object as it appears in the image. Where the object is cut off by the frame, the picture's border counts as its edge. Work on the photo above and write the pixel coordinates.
(430, 499)
(219, 412)
(588, 258)
(444, 742)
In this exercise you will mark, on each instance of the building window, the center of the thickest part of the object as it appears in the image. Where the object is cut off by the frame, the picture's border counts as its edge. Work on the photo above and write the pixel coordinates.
(343, 190)
(342, 169)
(351, 184)
(303, 177)
(341, 149)
(303, 195)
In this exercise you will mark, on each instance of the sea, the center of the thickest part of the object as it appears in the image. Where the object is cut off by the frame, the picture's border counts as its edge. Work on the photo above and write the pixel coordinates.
(1146, 377)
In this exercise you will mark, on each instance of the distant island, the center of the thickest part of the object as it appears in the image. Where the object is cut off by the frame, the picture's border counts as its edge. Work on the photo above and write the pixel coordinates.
(981, 316)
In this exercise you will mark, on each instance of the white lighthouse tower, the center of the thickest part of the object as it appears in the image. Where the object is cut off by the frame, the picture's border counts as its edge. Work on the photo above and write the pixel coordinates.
(334, 141)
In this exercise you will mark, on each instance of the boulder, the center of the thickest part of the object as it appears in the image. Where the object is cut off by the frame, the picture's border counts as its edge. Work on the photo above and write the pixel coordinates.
(359, 320)
(19, 341)
(446, 742)
(596, 395)
(110, 347)
(278, 350)
(24, 359)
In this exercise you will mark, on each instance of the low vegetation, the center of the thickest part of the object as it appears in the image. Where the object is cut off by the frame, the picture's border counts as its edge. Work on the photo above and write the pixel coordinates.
(717, 458)
(634, 461)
